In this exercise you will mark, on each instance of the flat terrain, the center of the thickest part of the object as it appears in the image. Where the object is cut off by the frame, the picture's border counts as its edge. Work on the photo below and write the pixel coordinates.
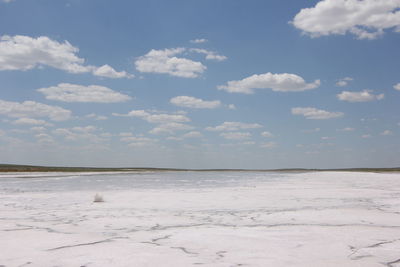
(201, 218)
(31, 168)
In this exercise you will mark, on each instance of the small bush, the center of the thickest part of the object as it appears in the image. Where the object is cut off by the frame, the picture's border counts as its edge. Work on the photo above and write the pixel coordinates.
(98, 198)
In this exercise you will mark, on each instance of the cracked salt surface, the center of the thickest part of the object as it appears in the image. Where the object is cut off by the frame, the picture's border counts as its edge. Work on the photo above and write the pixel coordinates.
(201, 218)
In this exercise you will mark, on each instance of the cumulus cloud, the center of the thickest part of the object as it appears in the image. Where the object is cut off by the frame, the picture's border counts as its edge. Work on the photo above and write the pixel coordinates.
(29, 109)
(109, 72)
(344, 81)
(316, 114)
(24, 53)
(236, 135)
(284, 82)
(44, 138)
(268, 145)
(137, 139)
(30, 121)
(193, 134)
(155, 117)
(192, 102)
(165, 61)
(387, 132)
(210, 55)
(170, 128)
(96, 117)
(233, 126)
(88, 133)
(267, 134)
(231, 106)
(84, 129)
(347, 129)
(39, 129)
(199, 41)
(363, 96)
(397, 86)
(67, 92)
(366, 19)
(168, 123)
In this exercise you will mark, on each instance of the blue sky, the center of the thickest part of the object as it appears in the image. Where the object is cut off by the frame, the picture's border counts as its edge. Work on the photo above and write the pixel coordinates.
(200, 83)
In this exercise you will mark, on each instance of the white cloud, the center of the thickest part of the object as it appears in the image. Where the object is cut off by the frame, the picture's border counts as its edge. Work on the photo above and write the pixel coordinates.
(168, 123)
(344, 81)
(137, 139)
(44, 138)
(85, 129)
(233, 126)
(397, 86)
(24, 53)
(199, 41)
(231, 106)
(96, 117)
(141, 144)
(366, 19)
(267, 134)
(268, 145)
(347, 129)
(366, 136)
(155, 117)
(165, 61)
(284, 82)
(125, 134)
(387, 132)
(29, 109)
(210, 55)
(170, 128)
(316, 114)
(87, 133)
(174, 138)
(30, 121)
(193, 134)
(109, 72)
(236, 135)
(39, 129)
(192, 102)
(67, 92)
(363, 96)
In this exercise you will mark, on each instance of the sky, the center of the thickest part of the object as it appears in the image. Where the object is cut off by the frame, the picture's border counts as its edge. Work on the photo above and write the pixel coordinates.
(255, 84)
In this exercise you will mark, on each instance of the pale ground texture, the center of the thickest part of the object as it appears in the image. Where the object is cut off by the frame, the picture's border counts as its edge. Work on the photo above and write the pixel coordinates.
(201, 219)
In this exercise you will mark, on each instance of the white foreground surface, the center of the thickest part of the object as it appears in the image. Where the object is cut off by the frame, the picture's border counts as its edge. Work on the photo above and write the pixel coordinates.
(201, 218)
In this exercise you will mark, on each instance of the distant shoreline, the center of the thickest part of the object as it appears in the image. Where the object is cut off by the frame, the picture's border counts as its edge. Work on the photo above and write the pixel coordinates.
(5, 168)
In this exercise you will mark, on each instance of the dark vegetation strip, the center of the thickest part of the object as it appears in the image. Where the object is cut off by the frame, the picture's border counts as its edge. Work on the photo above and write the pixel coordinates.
(30, 168)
